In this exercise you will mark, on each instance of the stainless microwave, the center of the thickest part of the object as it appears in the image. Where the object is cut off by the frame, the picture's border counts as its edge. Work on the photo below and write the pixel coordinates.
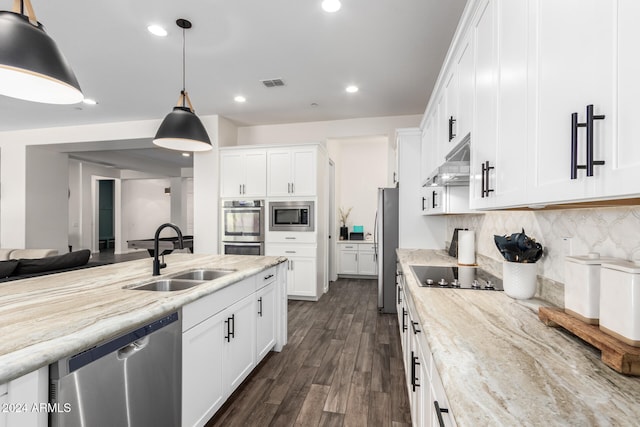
(291, 216)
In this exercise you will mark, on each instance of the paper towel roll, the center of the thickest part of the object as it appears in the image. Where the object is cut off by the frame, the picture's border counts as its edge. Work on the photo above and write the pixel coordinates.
(466, 247)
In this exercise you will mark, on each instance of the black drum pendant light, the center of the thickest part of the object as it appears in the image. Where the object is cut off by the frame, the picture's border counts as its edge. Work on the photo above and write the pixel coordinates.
(182, 130)
(31, 65)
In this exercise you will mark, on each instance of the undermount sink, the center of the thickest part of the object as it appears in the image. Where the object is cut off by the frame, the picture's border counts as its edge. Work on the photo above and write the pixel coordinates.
(203, 274)
(182, 281)
(167, 285)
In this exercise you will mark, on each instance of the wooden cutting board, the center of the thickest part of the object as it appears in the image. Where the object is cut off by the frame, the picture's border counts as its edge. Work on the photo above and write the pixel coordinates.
(616, 354)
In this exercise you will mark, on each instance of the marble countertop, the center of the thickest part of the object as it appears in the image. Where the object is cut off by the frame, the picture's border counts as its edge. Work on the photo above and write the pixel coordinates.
(500, 365)
(46, 318)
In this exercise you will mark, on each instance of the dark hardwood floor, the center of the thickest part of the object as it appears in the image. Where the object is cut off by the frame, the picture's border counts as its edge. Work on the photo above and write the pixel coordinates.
(342, 366)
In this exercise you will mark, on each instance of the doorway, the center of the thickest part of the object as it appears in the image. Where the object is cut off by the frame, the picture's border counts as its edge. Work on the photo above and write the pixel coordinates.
(106, 215)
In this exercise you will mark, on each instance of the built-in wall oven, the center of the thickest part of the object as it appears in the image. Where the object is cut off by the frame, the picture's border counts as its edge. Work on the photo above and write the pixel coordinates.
(291, 216)
(242, 227)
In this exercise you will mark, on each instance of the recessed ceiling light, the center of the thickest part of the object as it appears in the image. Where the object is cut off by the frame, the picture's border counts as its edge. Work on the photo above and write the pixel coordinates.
(157, 30)
(240, 98)
(331, 5)
(352, 89)
(89, 101)
(186, 155)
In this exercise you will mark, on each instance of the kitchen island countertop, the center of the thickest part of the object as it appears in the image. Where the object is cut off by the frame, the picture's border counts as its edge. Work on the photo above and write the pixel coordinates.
(46, 318)
(501, 366)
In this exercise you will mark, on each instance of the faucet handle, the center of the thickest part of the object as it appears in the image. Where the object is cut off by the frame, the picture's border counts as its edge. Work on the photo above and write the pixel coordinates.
(162, 263)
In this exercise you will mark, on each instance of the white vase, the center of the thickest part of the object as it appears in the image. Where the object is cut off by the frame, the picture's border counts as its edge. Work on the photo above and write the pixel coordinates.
(520, 279)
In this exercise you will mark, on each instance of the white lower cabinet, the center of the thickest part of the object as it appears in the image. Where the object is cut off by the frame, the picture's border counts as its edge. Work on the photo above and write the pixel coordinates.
(266, 321)
(225, 334)
(203, 391)
(239, 355)
(21, 400)
(302, 269)
(427, 398)
(357, 259)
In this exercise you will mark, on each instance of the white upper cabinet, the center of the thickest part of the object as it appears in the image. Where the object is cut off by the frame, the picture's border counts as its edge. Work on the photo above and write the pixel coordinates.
(450, 119)
(511, 143)
(242, 173)
(624, 153)
(549, 92)
(466, 88)
(482, 180)
(571, 67)
(292, 172)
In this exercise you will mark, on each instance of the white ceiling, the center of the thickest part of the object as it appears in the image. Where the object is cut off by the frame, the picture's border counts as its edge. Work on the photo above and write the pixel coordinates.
(391, 49)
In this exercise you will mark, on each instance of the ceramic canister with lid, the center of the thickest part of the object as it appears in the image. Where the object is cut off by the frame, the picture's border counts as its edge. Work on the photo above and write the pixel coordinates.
(582, 286)
(620, 300)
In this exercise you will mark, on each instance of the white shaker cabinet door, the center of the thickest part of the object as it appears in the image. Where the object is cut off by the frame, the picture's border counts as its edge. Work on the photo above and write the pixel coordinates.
(625, 151)
(279, 173)
(571, 68)
(231, 174)
(482, 181)
(240, 341)
(255, 174)
(266, 320)
(303, 171)
(203, 388)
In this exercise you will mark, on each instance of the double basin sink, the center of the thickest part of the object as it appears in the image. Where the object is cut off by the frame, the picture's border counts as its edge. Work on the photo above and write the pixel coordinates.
(182, 281)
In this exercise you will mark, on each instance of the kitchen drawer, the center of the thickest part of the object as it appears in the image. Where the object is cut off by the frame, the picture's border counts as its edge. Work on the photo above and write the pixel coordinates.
(367, 247)
(265, 278)
(200, 310)
(290, 250)
(291, 237)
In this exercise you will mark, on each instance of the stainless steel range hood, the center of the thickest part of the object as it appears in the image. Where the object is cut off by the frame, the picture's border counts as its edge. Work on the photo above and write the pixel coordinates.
(455, 170)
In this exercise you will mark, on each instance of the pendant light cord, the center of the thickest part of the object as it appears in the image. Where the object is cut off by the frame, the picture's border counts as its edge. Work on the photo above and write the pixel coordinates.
(184, 67)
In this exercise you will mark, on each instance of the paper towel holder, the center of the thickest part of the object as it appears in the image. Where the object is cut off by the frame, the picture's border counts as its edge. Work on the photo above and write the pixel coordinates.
(453, 247)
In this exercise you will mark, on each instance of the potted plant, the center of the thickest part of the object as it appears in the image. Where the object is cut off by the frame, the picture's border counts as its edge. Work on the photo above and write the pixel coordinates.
(344, 230)
(520, 253)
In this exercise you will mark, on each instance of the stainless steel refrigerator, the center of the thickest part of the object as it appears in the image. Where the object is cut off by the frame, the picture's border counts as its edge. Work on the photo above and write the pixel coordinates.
(386, 243)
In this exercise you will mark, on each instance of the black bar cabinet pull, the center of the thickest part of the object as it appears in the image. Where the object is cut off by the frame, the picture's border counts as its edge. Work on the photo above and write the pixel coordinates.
(413, 326)
(228, 335)
(414, 378)
(590, 163)
(485, 179)
(423, 200)
(433, 199)
(260, 306)
(439, 412)
(232, 322)
(404, 319)
(574, 145)
(399, 294)
(590, 118)
(451, 123)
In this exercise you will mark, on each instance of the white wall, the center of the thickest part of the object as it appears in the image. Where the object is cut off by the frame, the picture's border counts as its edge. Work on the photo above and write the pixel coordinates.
(297, 133)
(47, 178)
(145, 206)
(361, 168)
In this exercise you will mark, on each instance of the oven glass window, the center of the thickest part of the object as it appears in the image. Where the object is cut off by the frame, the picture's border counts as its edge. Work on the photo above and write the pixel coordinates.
(242, 223)
(285, 216)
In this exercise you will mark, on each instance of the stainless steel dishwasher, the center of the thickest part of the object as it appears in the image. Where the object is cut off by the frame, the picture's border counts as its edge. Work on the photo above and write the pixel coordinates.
(132, 380)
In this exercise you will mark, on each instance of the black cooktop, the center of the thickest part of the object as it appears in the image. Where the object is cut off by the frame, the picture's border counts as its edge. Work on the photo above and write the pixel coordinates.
(459, 277)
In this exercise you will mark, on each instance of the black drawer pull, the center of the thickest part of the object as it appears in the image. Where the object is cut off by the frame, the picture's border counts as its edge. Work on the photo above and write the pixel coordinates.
(439, 412)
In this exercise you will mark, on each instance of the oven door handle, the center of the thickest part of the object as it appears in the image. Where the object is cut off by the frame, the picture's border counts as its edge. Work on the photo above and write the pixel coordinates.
(242, 243)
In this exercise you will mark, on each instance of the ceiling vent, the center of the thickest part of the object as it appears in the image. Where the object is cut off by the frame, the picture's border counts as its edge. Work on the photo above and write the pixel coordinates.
(272, 82)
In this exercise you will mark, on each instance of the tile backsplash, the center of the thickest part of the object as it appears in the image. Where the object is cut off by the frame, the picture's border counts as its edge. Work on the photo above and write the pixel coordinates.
(611, 231)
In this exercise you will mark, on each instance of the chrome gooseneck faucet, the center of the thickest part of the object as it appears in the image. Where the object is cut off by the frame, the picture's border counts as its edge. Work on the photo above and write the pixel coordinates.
(157, 265)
